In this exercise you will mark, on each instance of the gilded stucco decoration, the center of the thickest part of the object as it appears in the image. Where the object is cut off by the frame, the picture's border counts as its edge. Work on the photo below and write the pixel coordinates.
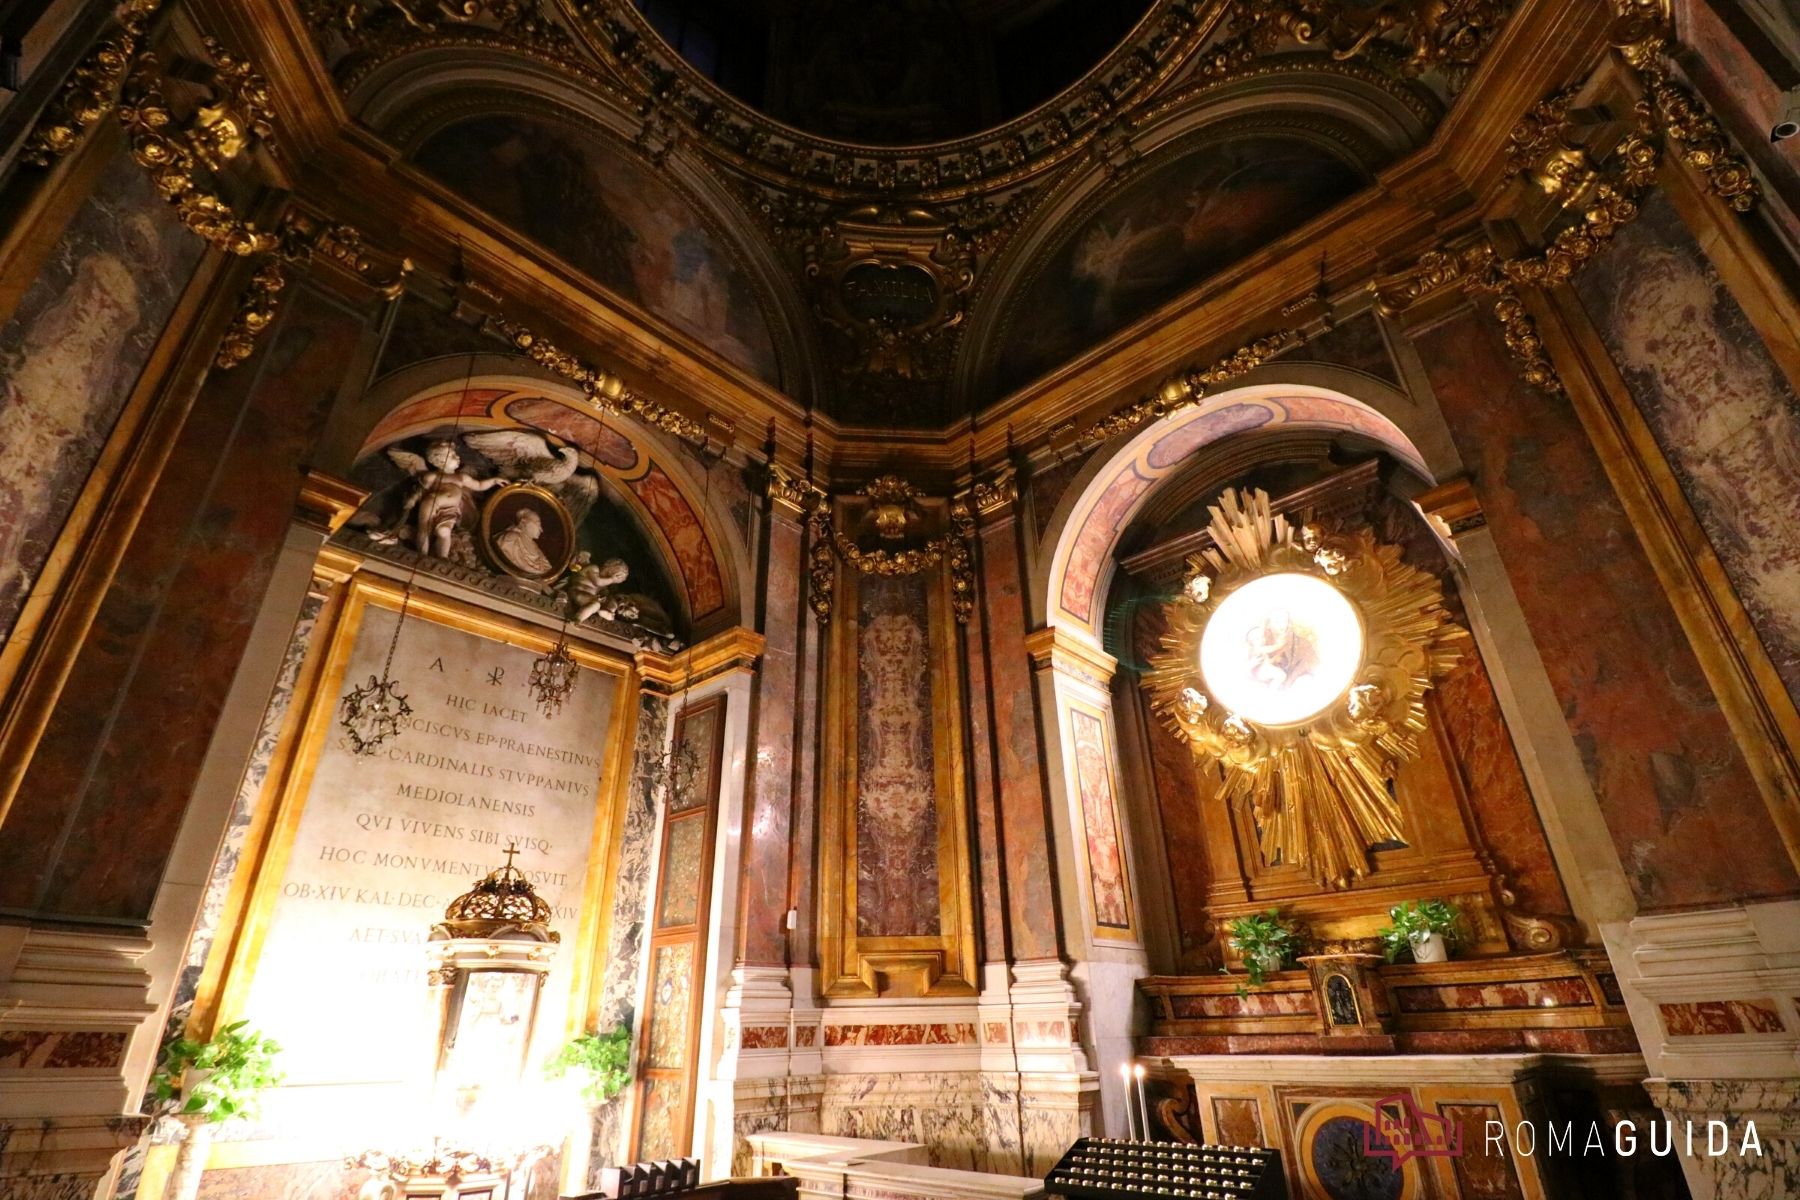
(892, 283)
(1410, 36)
(1597, 188)
(92, 89)
(1309, 707)
(604, 390)
(1184, 389)
(892, 511)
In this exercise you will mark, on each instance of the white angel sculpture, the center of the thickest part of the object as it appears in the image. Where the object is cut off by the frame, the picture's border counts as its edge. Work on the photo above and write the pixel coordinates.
(590, 589)
(525, 456)
(438, 499)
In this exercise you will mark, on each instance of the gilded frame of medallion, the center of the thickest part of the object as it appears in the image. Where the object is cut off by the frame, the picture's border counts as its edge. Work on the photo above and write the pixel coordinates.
(852, 965)
(255, 887)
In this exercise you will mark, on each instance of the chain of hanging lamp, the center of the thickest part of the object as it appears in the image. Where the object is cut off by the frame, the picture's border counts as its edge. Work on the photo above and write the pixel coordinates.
(373, 714)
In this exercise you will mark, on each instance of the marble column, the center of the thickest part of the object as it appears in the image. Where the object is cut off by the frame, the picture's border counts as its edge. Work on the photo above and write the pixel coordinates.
(769, 1016)
(1035, 1070)
(1100, 906)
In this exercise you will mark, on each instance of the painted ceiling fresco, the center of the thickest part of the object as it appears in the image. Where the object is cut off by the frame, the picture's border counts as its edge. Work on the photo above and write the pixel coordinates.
(635, 234)
(1161, 235)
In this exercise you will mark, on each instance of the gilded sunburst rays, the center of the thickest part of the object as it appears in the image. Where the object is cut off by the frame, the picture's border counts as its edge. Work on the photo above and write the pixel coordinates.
(1317, 784)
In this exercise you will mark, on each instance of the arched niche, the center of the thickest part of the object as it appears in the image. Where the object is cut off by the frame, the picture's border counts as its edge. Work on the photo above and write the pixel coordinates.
(683, 518)
(1472, 828)
(1076, 554)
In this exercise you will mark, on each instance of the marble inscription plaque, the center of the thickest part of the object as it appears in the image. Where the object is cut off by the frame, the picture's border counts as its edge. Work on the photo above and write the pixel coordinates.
(386, 841)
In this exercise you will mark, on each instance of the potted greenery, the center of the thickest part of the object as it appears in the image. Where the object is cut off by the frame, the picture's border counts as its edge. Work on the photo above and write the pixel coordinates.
(602, 1061)
(1264, 941)
(202, 1084)
(1428, 930)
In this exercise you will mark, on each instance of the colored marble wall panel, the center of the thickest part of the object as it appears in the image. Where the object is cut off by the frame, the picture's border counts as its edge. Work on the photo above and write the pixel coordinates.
(1178, 780)
(671, 1005)
(72, 352)
(697, 738)
(1721, 1018)
(1503, 808)
(682, 862)
(956, 1033)
(1527, 994)
(1676, 794)
(284, 1181)
(1720, 409)
(664, 1104)
(1100, 819)
(1237, 1122)
(896, 801)
(60, 1049)
(1023, 834)
(764, 1037)
(105, 793)
(770, 801)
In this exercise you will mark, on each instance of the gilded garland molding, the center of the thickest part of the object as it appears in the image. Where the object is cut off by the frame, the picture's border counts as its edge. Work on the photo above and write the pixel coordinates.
(1406, 37)
(1184, 389)
(123, 77)
(92, 90)
(893, 506)
(1344, 616)
(604, 390)
(1605, 198)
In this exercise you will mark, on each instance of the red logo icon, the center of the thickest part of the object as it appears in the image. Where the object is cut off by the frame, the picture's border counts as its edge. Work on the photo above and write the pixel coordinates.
(1402, 1131)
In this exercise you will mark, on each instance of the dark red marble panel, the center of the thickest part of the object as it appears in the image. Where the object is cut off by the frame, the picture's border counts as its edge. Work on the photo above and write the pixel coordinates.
(105, 793)
(984, 792)
(768, 816)
(956, 1033)
(1504, 813)
(1024, 816)
(61, 1049)
(1684, 812)
(1177, 779)
(1525, 994)
(765, 1037)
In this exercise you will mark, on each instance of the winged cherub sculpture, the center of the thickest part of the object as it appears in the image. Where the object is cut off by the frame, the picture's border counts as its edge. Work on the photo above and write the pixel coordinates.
(438, 500)
(525, 456)
(589, 589)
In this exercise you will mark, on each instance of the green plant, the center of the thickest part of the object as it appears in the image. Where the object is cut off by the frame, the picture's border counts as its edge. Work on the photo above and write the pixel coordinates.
(1407, 921)
(1262, 939)
(603, 1060)
(220, 1078)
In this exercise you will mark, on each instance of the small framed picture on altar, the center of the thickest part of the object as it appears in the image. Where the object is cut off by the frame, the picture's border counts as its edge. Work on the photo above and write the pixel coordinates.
(526, 533)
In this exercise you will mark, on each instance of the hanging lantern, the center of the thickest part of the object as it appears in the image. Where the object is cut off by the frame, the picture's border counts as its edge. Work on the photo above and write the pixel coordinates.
(553, 676)
(371, 715)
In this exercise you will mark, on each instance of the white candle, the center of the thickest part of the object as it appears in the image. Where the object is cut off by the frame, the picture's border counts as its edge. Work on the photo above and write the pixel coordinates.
(1143, 1107)
(1130, 1120)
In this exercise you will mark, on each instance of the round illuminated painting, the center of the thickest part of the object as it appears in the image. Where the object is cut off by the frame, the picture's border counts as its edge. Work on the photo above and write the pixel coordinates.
(1281, 649)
